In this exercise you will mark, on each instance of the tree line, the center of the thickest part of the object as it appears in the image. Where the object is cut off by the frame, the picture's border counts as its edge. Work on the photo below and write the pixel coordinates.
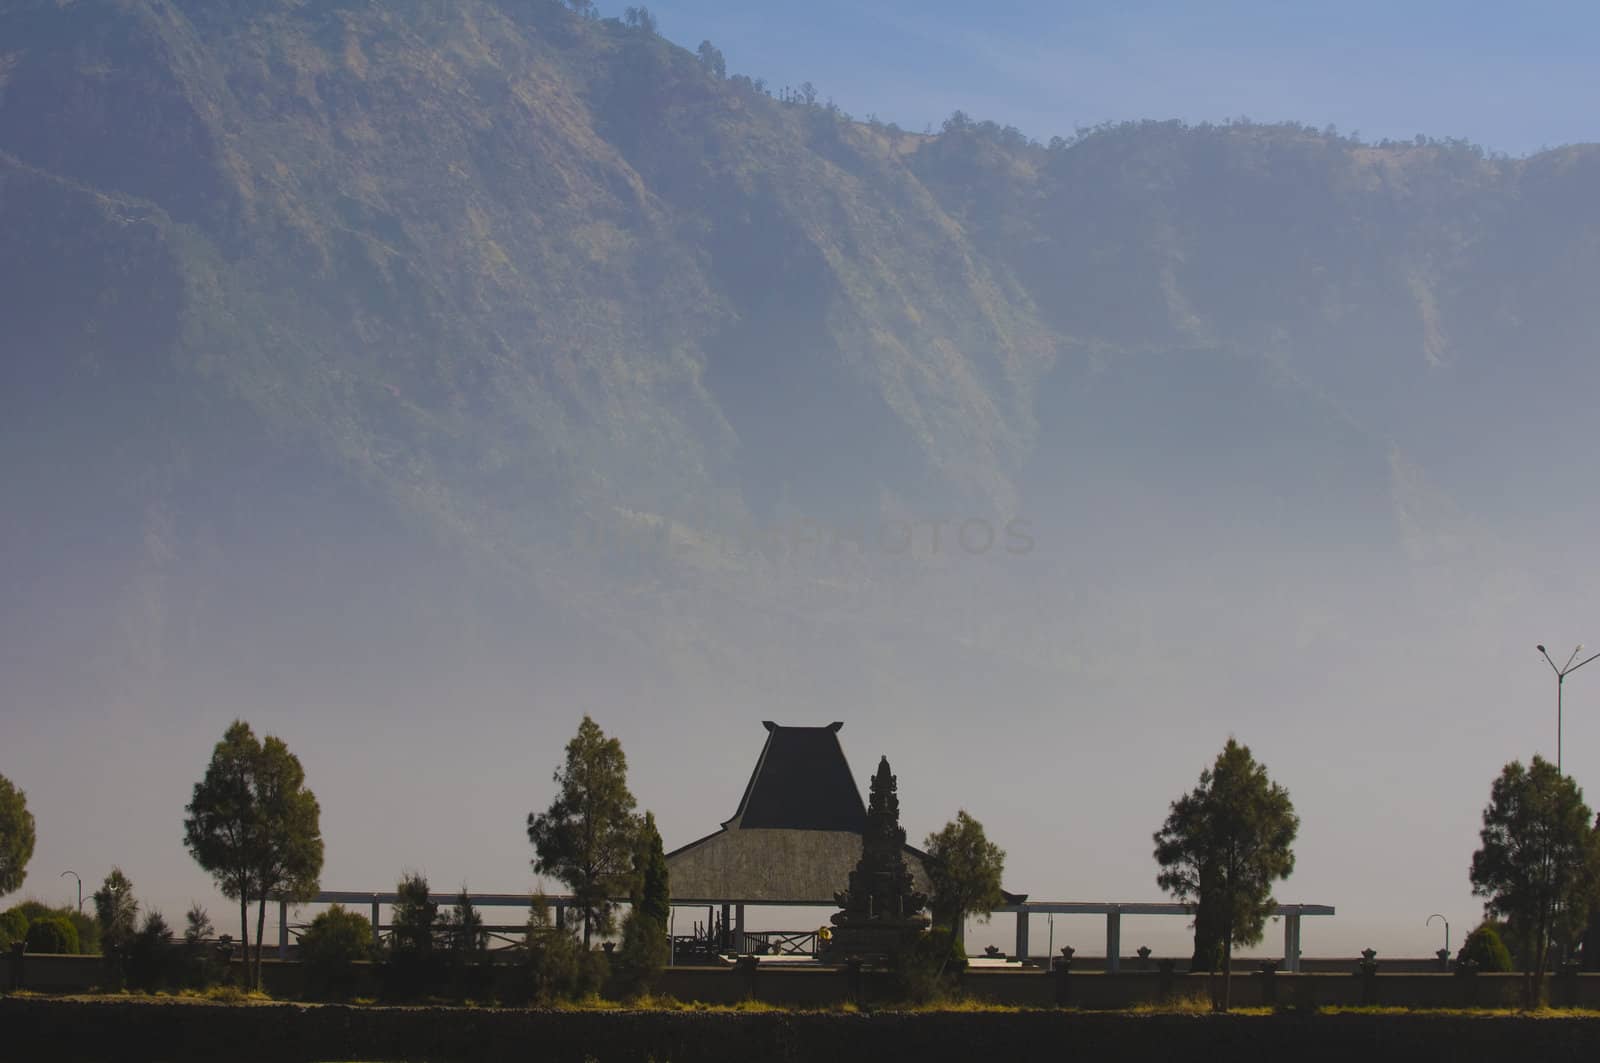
(254, 825)
(1226, 842)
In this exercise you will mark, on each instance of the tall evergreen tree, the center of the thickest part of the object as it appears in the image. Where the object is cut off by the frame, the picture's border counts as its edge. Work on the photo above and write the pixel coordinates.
(652, 893)
(1539, 867)
(586, 837)
(645, 948)
(1222, 847)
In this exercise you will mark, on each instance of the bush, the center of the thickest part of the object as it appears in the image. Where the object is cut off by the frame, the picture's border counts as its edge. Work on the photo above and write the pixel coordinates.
(199, 965)
(926, 969)
(331, 946)
(14, 923)
(1484, 947)
(413, 969)
(154, 960)
(641, 956)
(13, 927)
(52, 934)
(88, 931)
(560, 968)
(464, 948)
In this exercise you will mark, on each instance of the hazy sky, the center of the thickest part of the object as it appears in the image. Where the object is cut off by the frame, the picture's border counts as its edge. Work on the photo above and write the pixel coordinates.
(1512, 77)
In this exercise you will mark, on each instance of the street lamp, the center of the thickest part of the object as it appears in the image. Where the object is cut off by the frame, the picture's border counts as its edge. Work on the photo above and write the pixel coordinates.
(1561, 678)
(74, 874)
(1434, 916)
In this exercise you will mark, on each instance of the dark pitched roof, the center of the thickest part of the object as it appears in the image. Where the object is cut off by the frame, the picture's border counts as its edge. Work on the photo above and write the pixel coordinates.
(801, 782)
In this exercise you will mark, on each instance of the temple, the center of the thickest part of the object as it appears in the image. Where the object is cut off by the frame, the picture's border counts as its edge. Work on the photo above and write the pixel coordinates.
(796, 835)
(794, 841)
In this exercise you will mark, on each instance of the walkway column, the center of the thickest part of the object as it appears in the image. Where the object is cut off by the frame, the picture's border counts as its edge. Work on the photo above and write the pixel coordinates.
(1291, 942)
(283, 930)
(727, 929)
(377, 938)
(738, 930)
(1022, 934)
(1113, 941)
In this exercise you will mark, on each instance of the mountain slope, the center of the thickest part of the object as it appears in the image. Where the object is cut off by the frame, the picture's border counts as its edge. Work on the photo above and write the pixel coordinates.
(488, 280)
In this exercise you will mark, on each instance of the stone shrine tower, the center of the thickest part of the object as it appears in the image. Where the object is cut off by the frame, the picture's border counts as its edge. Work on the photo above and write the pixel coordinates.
(882, 908)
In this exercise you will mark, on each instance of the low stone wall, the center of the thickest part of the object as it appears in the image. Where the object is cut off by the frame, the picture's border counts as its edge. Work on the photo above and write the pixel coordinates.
(71, 1031)
(799, 987)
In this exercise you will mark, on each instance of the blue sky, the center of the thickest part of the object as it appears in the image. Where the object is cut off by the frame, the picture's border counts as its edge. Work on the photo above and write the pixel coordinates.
(1512, 77)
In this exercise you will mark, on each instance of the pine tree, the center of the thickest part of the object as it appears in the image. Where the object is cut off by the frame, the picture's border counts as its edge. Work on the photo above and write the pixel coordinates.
(1222, 847)
(1539, 867)
(586, 837)
(652, 893)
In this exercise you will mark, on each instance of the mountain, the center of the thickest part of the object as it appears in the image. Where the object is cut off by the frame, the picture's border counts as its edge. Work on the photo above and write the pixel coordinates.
(338, 326)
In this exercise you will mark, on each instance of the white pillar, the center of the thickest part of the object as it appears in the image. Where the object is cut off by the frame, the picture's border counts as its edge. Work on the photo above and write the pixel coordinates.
(1022, 934)
(1113, 941)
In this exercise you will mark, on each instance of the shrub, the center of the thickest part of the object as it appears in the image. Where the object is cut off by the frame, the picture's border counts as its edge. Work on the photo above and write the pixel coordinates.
(413, 969)
(153, 957)
(32, 910)
(554, 966)
(642, 955)
(201, 967)
(559, 967)
(52, 934)
(13, 927)
(88, 931)
(330, 948)
(464, 945)
(14, 923)
(1484, 947)
(926, 969)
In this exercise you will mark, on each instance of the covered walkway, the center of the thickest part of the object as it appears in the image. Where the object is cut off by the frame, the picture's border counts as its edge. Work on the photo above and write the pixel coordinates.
(1114, 911)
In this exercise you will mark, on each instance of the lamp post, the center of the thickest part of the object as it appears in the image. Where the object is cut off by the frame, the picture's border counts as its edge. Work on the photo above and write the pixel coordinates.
(74, 874)
(1434, 916)
(1561, 679)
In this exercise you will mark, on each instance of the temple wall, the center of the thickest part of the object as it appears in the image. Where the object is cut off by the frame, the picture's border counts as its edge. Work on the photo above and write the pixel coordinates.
(772, 866)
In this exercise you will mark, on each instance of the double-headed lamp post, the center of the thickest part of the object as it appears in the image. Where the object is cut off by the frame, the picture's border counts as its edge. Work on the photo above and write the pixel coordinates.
(1561, 679)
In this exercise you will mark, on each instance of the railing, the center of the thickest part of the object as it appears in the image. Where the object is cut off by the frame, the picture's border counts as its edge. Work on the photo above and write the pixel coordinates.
(781, 942)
